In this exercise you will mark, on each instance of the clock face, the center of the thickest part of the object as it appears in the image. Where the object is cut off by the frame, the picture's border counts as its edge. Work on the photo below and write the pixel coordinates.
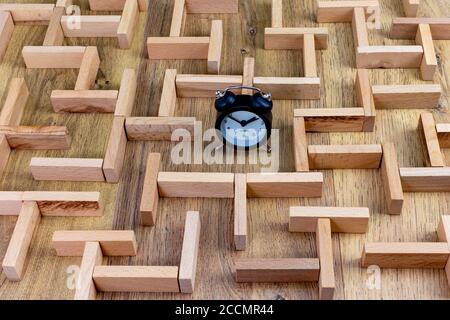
(243, 129)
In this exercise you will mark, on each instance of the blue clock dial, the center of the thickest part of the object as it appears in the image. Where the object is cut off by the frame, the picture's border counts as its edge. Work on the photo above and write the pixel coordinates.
(243, 129)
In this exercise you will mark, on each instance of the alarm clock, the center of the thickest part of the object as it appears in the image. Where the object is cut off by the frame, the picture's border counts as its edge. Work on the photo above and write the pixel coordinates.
(244, 121)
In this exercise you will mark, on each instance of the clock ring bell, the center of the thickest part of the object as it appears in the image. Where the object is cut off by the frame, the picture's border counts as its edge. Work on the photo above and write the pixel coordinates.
(244, 121)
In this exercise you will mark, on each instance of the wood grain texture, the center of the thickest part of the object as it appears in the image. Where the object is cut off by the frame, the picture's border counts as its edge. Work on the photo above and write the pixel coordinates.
(92, 257)
(300, 143)
(15, 103)
(84, 101)
(150, 194)
(406, 28)
(178, 48)
(424, 96)
(389, 57)
(53, 57)
(206, 6)
(390, 174)
(178, 18)
(55, 35)
(327, 282)
(115, 5)
(36, 138)
(159, 128)
(293, 38)
(240, 212)
(432, 149)
(429, 62)
(189, 252)
(88, 69)
(425, 179)
(204, 86)
(341, 11)
(443, 132)
(115, 151)
(128, 23)
(284, 88)
(91, 26)
(6, 32)
(345, 157)
(127, 94)
(332, 120)
(169, 95)
(29, 12)
(215, 47)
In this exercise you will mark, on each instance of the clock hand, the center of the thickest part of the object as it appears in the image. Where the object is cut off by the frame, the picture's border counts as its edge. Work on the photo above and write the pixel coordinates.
(251, 120)
(236, 120)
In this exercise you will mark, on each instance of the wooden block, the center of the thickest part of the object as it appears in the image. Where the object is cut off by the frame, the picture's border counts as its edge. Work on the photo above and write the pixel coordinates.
(15, 258)
(53, 57)
(55, 35)
(406, 28)
(169, 94)
(364, 98)
(92, 257)
(285, 185)
(127, 94)
(115, 151)
(406, 255)
(178, 18)
(389, 57)
(157, 128)
(29, 12)
(240, 212)
(128, 23)
(342, 11)
(332, 120)
(6, 32)
(114, 5)
(443, 132)
(411, 7)
(204, 86)
(300, 145)
(277, 270)
(150, 195)
(309, 56)
(178, 48)
(88, 69)
(208, 6)
(84, 101)
(277, 13)
(292, 38)
(392, 183)
(189, 253)
(323, 157)
(5, 152)
(425, 179)
(15, 102)
(10, 203)
(283, 88)
(66, 204)
(112, 243)
(91, 26)
(67, 169)
(196, 185)
(36, 138)
(443, 230)
(248, 75)
(359, 26)
(343, 220)
(136, 279)
(63, 3)
(421, 96)
(327, 282)
(429, 62)
(427, 128)
(215, 47)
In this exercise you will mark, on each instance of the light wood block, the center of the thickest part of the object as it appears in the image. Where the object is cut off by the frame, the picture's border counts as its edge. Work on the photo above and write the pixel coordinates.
(285, 185)
(343, 220)
(425, 179)
(323, 157)
(6, 32)
(342, 11)
(36, 138)
(427, 128)
(67, 169)
(88, 69)
(16, 254)
(392, 183)
(406, 255)
(84, 101)
(204, 86)
(5, 152)
(423, 96)
(411, 7)
(332, 120)
(136, 279)
(248, 75)
(240, 212)
(309, 56)
(277, 270)
(157, 128)
(127, 94)
(429, 62)
(196, 185)
(29, 12)
(178, 18)
(215, 47)
(53, 57)
(178, 48)
(406, 28)
(91, 26)
(15, 102)
(10, 203)
(92, 257)
(113, 243)
(364, 98)
(208, 6)
(389, 57)
(66, 204)
(63, 3)
(283, 88)
(115, 151)
(169, 94)
(189, 252)
(128, 23)
(277, 13)
(443, 230)
(327, 282)
(55, 35)
(150, 194)
(114, 5)
(443, 132)
(300, 145)
(359, 26)
(292, 38)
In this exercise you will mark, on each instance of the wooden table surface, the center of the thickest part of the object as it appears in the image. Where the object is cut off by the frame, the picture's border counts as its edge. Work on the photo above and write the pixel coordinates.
(50, 277)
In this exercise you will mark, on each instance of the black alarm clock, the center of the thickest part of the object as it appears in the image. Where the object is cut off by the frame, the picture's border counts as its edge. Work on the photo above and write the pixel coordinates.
(244, 121)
